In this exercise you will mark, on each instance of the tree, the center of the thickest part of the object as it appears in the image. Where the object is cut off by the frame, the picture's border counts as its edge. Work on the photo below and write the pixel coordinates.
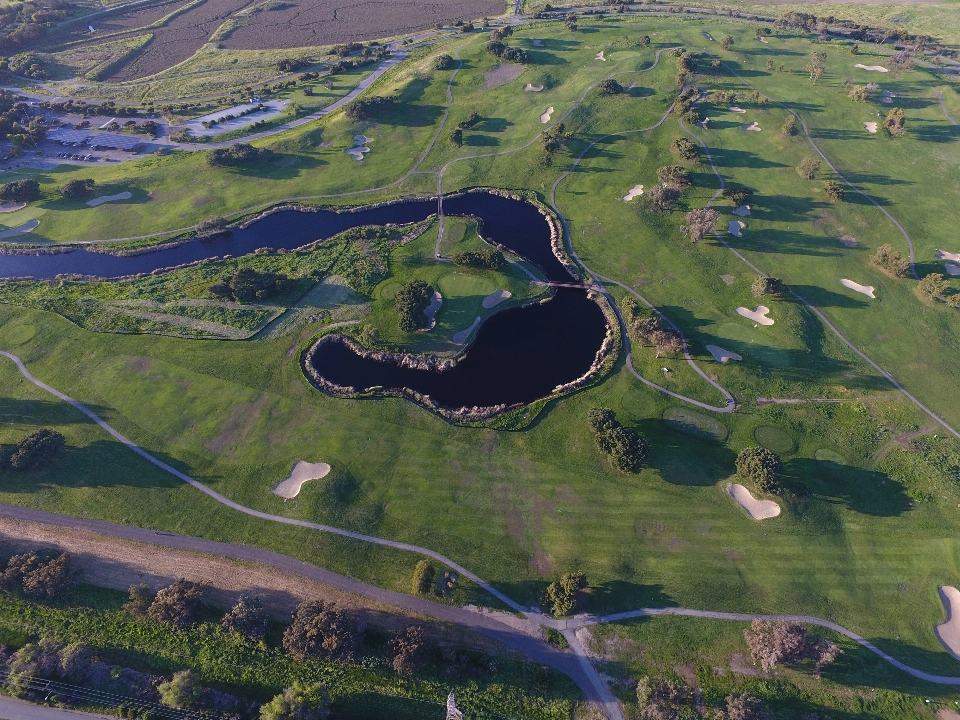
(610, 87)
(834, 190)
(738, 195)
(248, 285)
(894, 123)
(766, 286)
(682, 147)
(789, 126)
(854, 49)
(808, 167)
(661, 198)
(36, 450)
(662, 699)
(37, 574)
(247, 618)
(365, 108)
(858, 93)
(624, 447)
(743, 706)
(410, 302)
(456, 137)
(816, 66)
(299, 702)
(423, 576)
(562, 594)
(761, 467)
(726, 42)
(444, 62)
(674, 175)
(901, 60)
(77, 188)
(486, 259)
(181, 691)
(407, 649)
(933, 285)
(891, 260)
(26, 190)
(179, 604)
(320, 630)
(238, 154)
(954, 300)
(139, 601)
(776, 643)
(700, 223)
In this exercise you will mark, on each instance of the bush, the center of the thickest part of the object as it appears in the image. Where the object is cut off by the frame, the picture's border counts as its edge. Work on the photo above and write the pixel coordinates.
(675, 175)
(661, 198)
(685, 149)
(834, 190)
(44, 574)
(423, 576)
(766, 286)
(610, 87)
(894, 123)
(26, 190)
(699, 223)
(238, 154)
(933, 285)
(738, 195)
(891, 260)
(486, 259)
(77, 188)
(410, 302)
(743, 706)
(364, 108)
(139, 601)
(623, 446)
(858, 93)
(320, 630)
(456, 137)
(179, 604)
(808, 167)
(248, 285)
(760, 467)
(660, 698)
(182, 691)
(299, 702)
(515, 55)
(407, 649)
(444, 62)
(35, 450)
(247, 618)
(562, 594)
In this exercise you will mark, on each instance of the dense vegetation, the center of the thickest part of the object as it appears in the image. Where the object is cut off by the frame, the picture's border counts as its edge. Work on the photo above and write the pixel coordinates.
(36, 450)
(624, 447)
(410, 302)
(238, 154)
(485, 259)
(365, 108)
(248, 285)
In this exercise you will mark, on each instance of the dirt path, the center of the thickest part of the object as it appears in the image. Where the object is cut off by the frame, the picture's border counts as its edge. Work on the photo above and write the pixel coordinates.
(903, 440)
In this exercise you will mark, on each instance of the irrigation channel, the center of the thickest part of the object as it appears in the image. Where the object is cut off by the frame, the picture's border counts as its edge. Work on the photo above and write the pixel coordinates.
(518, 355)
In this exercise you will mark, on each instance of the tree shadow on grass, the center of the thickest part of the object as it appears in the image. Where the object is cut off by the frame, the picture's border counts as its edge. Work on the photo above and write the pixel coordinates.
(724, 158)
(863, 491)
(620, 596)
(822, 298)
(934, 132)
(279, 167)
(476, 140)
(788, 242)
(40, 413)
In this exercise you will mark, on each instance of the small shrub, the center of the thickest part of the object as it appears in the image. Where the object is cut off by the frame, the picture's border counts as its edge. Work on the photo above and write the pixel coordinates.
(299, 702)
(562, 595)
(858, 93)
(766, 286)
(738, 195)
(247, 618)
(834, 190)
(35, 450)
(407, 649)
(139, 601)
(808, 168)
(182, 691)
(423, 575)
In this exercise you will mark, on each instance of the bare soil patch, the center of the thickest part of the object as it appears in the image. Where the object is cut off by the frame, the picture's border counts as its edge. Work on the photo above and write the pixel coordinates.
(503, 74)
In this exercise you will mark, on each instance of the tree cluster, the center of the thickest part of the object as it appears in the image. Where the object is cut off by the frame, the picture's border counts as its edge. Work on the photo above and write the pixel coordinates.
(239, 154)
(34, 451)
(16, 122)
(301, 701)
(685, 149)
(808, 168)
(23, 24)
(77, 188)
(507, 53)
(895, 122)
(891, 260)
(764, 285)
(472, 119)
(687, 64)
(485, 259)
(624, 447)
(248, 285)
(365, 108)
(410, 302)
(37, 574)
(761, 467)
(610, 87)
(320, 629)
(782, 643)
(26, 190)
(289, 65)
(737, 195)
(552, 141)
(662, 699)
(674, 175)
(661, 198)
(648, 329)
(179, 604)
(699, 223)
(444, 62)
(562, 594)
(247, 618)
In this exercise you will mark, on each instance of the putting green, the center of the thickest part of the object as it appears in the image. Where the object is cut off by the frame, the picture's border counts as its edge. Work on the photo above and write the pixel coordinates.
(749, 342)
(774, 439)
(694, 423)
(388, 290)
(20, 334)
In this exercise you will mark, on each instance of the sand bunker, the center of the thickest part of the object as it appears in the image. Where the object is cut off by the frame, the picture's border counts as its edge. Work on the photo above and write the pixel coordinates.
(952, 257)
(735, 227)
(757, 509)
(759, 315)
(532, 88)
(357, 152)
(871, 127)
(11, 207)
(754, 126)
(495, 298)
(599, 56)
(761, 38)
(635, 191)
(703, 123)
(742, 211)
(545, 118)
(721, 355)
(738, 110)
(952, 269)
(361, 140)
(461, 337)
(857, 287)
(302, 472)
(874, 68)
(109, 198)
(848, 241)
(948, 633)
(431, 310)
(887, 97)
(25, 228)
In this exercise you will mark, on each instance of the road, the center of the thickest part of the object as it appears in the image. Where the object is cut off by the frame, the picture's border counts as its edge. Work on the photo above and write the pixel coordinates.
(11, 709)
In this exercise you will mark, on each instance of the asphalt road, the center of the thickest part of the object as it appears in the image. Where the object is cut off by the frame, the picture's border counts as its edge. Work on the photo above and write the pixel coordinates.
(11, 709)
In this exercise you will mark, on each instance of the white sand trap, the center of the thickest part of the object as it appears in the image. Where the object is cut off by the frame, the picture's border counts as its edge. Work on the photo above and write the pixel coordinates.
(495, 298)
(357, 152)
(737, 110)
(359, 140)
(952, 269)
(25, 228)
(545, 118)
(431, 310)
(848, 241)
(887, 97)
(867, 290)
(952, 257)
(761, 38)
(754, 126)
(757, 509)
(721, 355)
(109, 198)
(703, 123)
(532, 88)
(871, 127)
(735, 227)
(948, 633)
(759, 315)
(635, 191)
(302, 472)
(537, 43)
(599, 56)
(742, 211)
(11, 207)
(874, 68)
(461, 337)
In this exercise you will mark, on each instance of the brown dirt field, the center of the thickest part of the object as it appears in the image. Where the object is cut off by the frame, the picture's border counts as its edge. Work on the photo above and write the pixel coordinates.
(118, 21)
(117, 564)
(334, 21)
